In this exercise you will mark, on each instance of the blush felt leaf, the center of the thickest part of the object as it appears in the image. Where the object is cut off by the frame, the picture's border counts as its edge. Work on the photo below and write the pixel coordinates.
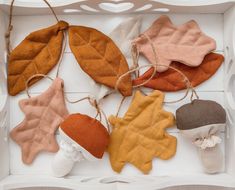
(38, 53)
(140, 135)
(43, 115)
(186, 44)
(171, 80)
(99, 57)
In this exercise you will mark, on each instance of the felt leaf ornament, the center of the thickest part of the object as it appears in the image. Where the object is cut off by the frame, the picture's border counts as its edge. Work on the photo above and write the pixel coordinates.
(186, 44)
(124, 33)
(43, 115)
(201, 121)
(140, 135)
(172, 80)
(38, 53)
(99, 57)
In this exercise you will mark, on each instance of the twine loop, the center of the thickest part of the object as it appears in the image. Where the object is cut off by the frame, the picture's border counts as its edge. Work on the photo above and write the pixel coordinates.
(31, 78)
(93, 102)
(10, 26)
(135, 56)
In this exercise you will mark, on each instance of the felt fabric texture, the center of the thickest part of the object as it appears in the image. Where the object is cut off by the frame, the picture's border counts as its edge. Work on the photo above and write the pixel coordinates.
(87, 132)
(38, 53)
(186, 44)
(43, 115)
(65, 158)
(202, 121)
(99, 91)
(82, 138)
(171, 80)
(212, 159)
(99, 57)
(124, 33)
(141, 134)
(205, 112)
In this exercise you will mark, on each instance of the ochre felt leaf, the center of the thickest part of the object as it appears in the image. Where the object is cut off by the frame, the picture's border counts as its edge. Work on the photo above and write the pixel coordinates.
(38, 53)
(171, 80)
(140, 135)
(99, 57)
(43, 115)
(186, 44)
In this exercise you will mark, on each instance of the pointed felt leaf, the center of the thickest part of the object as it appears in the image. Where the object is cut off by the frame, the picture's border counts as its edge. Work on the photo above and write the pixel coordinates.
(141, 134)
(38, 53)
(124, 33)
(99, 57)
(186, 44)
(171, 80)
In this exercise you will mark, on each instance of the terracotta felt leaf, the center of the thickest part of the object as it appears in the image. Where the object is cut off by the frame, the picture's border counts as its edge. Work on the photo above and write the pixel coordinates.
(186, 44)
(140, 135)
(43, 115)
(38, 53)
(124, 33)
(99, 57)
(171, 80)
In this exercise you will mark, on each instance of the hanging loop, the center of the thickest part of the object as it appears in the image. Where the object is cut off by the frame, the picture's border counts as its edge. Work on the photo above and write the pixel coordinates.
(10, 26)
(99, 111)
(154, 66)
(31, 78)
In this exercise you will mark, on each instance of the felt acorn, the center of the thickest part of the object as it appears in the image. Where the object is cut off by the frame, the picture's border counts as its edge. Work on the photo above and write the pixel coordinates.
(82, 138)
(201, 121)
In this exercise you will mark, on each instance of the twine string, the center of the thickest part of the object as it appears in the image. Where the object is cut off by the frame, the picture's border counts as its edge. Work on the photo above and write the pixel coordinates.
(155, 65)
(8, 47)
(10, 26)
(135, 57)
(120, 105)
(62, 53)
(31, 78)
(99, 111)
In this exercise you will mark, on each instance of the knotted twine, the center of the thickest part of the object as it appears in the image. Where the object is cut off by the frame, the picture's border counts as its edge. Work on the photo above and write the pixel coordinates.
(92, 102)
(136, 68)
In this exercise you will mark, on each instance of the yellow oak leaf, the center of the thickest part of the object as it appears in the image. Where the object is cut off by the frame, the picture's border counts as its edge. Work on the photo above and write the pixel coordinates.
(140, 135)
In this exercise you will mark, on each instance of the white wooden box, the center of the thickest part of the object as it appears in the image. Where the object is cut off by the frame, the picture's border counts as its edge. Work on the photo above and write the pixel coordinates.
(215, 17)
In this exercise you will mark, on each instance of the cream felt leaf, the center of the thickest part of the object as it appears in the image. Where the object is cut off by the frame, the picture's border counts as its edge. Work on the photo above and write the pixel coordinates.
(43, 115)
(125, 32)
(99, 57)
(141, 134)
(99, 91)
(38, 53)
(186, 44)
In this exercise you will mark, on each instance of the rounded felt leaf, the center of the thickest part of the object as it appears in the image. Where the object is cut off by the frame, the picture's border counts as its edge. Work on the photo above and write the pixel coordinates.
(171, 80)
(99, 57)
(39, 52)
